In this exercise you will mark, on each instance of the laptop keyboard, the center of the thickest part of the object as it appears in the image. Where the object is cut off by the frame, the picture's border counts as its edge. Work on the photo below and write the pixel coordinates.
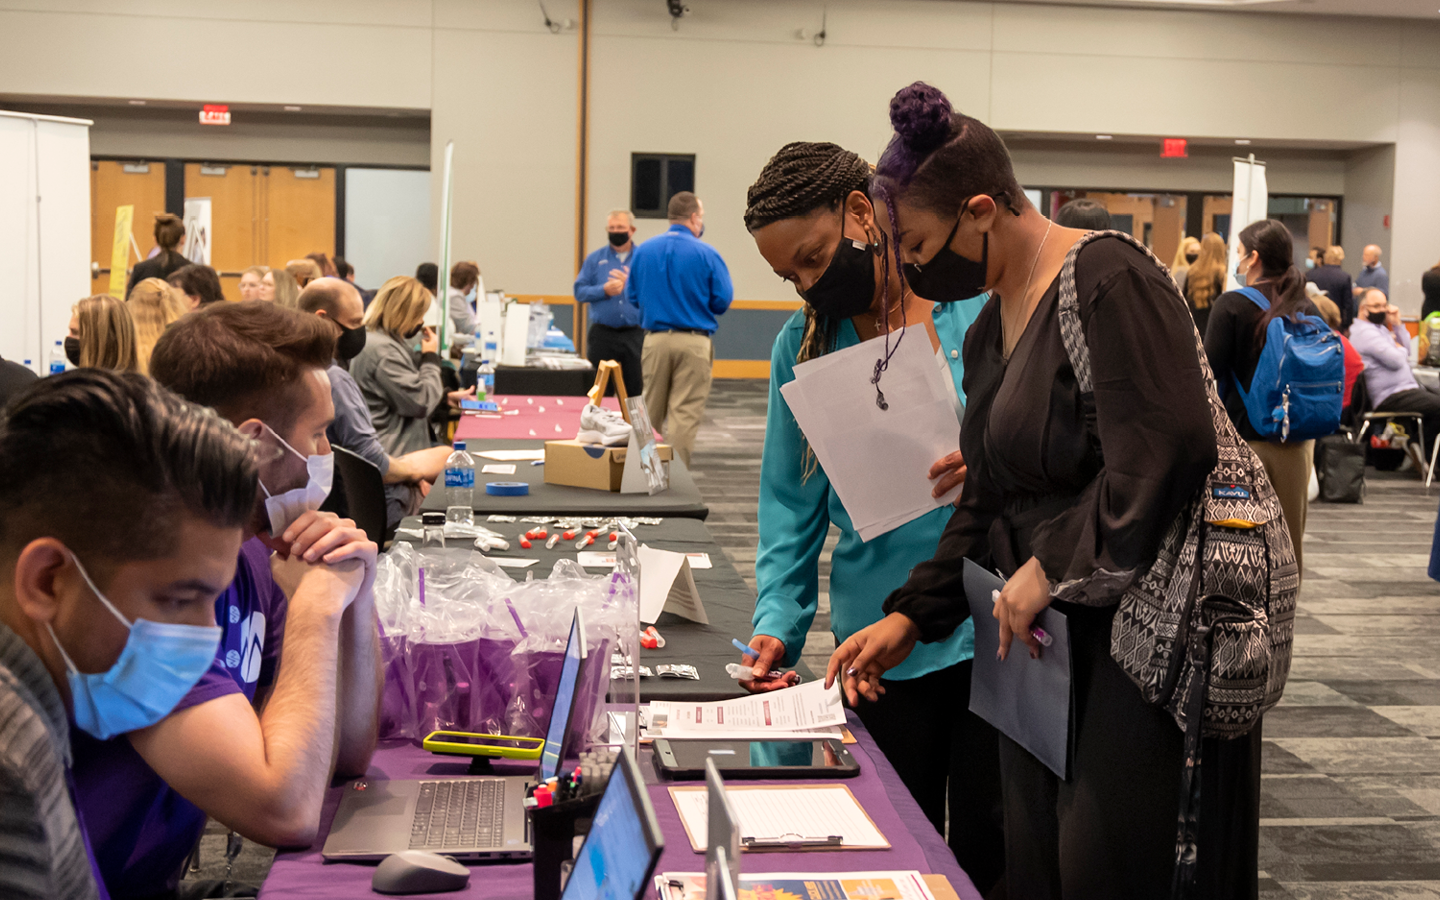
(456, 814)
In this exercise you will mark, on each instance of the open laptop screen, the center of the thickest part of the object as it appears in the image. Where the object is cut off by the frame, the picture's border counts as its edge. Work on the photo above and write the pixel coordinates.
(624, 843)
(563, 709)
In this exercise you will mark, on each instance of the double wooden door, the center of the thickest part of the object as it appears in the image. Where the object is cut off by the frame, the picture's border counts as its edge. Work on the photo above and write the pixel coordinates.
(260, 214)
(263, 215)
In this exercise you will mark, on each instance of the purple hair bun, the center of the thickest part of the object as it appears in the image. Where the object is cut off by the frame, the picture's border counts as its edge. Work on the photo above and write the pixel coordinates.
(920, 114)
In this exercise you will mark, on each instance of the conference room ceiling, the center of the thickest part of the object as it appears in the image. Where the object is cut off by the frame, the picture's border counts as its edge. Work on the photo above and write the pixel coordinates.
(1412, 9)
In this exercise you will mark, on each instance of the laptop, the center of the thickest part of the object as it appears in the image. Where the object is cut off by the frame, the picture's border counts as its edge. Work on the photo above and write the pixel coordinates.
(624, 843)
(477, 818)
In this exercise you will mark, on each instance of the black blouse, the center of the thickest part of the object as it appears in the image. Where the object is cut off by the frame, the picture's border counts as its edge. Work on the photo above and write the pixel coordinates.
(1087, 485)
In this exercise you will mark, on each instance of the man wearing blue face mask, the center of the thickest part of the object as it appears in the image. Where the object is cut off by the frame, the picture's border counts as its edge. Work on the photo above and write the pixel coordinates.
(254, 743)
(121, 510)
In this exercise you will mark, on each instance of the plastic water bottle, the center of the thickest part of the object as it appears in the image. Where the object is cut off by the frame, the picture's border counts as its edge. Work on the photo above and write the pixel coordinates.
(57, 358)
(31, 366)
(460, 486)
(486, 375)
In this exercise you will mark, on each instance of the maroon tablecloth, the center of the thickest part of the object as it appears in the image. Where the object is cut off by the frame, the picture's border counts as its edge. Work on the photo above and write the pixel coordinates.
(914, 842)
(538, 418)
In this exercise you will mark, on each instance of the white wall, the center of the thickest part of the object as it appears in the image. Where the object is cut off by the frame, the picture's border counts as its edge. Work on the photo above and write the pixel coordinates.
(733, 83)
(1369, 198)
(387, 223)
(44, 231)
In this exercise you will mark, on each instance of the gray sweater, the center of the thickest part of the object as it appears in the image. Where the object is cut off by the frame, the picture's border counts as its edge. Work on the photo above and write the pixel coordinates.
(401, 395)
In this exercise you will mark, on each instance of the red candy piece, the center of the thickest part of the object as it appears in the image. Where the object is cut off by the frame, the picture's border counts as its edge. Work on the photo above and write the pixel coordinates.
(525, 543)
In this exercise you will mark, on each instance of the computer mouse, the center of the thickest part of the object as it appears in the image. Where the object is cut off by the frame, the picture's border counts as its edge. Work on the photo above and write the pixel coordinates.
(419, 872)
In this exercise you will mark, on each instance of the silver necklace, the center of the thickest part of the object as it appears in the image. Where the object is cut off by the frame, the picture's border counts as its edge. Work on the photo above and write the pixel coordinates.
(1004, 329)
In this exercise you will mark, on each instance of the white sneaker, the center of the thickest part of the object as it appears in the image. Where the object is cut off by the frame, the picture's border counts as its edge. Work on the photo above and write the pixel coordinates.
(602, 426)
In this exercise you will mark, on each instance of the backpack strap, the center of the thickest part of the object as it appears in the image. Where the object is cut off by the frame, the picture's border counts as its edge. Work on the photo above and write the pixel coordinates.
(1256, 297)
(1072, 331)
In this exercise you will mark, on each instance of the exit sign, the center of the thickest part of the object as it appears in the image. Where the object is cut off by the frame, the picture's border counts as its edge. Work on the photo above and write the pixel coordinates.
(215, 114)
(1173, 148)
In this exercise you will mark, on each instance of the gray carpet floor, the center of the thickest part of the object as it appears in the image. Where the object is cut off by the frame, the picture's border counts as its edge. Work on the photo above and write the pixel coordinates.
(1351, 802)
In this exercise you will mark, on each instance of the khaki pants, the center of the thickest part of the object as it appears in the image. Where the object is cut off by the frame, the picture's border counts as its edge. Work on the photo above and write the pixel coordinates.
(1288, 466)
(677, 368)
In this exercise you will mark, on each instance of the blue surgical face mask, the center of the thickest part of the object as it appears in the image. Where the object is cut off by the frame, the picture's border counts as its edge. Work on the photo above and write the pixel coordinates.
(161, 662)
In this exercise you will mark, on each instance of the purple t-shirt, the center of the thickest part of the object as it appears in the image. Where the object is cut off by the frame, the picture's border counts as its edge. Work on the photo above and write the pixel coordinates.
(142, 830)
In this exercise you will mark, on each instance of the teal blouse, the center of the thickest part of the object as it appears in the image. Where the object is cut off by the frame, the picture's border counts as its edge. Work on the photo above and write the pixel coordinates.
(796, 513)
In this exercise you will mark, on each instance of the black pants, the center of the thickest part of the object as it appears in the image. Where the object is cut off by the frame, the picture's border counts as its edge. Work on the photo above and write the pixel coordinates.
(622, 345)
(942, 751)
(1109, 832)
(1422, 400)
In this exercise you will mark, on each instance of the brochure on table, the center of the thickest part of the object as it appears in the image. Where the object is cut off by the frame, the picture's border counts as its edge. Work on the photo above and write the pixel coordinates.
(809, 710)
(827, 885)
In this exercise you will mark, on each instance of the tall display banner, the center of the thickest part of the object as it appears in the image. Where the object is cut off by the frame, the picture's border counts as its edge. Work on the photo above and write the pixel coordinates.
(1250, 202)
(442, 278)
(120, 250)
(197, 230)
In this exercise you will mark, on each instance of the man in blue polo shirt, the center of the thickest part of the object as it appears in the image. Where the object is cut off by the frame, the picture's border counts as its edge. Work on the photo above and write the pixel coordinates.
(615, 331)
(680, 285)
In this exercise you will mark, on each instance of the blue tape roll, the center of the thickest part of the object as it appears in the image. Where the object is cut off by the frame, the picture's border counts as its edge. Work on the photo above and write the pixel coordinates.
(507, 488)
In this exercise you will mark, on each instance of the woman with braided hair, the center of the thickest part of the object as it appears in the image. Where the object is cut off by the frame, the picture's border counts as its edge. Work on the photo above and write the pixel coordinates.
(1069, 493)
(812, 220)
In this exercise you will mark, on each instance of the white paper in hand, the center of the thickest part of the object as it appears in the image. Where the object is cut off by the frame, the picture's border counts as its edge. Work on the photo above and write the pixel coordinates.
(877, 460)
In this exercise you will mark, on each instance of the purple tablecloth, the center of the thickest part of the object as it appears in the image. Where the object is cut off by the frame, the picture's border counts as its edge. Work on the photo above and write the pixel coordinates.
(914, 842)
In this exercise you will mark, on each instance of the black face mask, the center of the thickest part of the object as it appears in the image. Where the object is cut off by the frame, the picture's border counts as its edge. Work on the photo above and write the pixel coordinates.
(350, 343)
(949, 277)
(410, 335)
(1377, 317)
(619, 238)
(1191, 257)
(72, 350)
(847, 286)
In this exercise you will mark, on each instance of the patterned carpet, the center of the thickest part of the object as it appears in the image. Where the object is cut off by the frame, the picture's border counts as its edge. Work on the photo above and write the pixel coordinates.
(1351, 804)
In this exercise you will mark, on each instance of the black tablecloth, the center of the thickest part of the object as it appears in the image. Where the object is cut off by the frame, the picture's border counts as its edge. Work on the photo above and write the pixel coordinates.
(728, 602)
(543, 382)
(681, 499)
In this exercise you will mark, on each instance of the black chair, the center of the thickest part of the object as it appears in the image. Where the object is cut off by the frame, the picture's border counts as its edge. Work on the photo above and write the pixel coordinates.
(1361, 412)
(359, 494)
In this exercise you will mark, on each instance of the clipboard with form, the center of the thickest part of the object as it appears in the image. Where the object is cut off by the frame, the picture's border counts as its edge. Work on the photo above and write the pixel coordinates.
(784, 817)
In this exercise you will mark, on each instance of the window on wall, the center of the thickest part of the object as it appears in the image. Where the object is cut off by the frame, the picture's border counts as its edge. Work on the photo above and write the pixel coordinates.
(655, 178)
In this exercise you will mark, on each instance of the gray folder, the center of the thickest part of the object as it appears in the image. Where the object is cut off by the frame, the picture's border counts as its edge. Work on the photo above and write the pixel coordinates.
(1028, 700)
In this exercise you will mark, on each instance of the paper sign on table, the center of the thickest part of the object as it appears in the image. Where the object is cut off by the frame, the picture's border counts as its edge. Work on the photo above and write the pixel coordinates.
(804, 813)
(877, 460)
(498, 469)
(668, 585)
(512, 455)
(592, 559)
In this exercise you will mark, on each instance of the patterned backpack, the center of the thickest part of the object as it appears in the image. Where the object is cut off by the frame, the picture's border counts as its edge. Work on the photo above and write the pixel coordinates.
(1206, 631)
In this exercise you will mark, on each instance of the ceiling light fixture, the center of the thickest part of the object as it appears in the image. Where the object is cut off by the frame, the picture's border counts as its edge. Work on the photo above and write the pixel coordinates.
(137, 102)
(1242, 140)
(292, 109)
(1104, 137)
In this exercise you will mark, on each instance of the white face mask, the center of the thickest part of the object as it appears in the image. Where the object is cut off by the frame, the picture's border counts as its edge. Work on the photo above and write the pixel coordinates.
(285, 508)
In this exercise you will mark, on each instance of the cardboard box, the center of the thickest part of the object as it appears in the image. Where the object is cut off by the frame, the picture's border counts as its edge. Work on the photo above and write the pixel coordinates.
(589, 465)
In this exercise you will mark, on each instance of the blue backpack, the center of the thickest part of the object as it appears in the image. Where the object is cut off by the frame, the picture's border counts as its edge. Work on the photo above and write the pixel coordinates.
(1299, 379)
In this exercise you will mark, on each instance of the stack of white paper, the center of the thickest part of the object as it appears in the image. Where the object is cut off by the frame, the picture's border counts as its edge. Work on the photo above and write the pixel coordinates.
(808, 711)
(877, 460)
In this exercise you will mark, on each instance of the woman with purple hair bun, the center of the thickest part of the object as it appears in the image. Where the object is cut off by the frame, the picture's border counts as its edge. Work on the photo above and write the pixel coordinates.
(1068, 495)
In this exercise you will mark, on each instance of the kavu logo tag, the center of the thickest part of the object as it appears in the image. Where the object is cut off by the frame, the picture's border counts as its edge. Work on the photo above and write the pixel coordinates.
(1230, 492)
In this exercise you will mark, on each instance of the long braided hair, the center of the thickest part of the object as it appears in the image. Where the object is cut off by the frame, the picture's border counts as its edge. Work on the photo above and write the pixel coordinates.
(802, 177)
